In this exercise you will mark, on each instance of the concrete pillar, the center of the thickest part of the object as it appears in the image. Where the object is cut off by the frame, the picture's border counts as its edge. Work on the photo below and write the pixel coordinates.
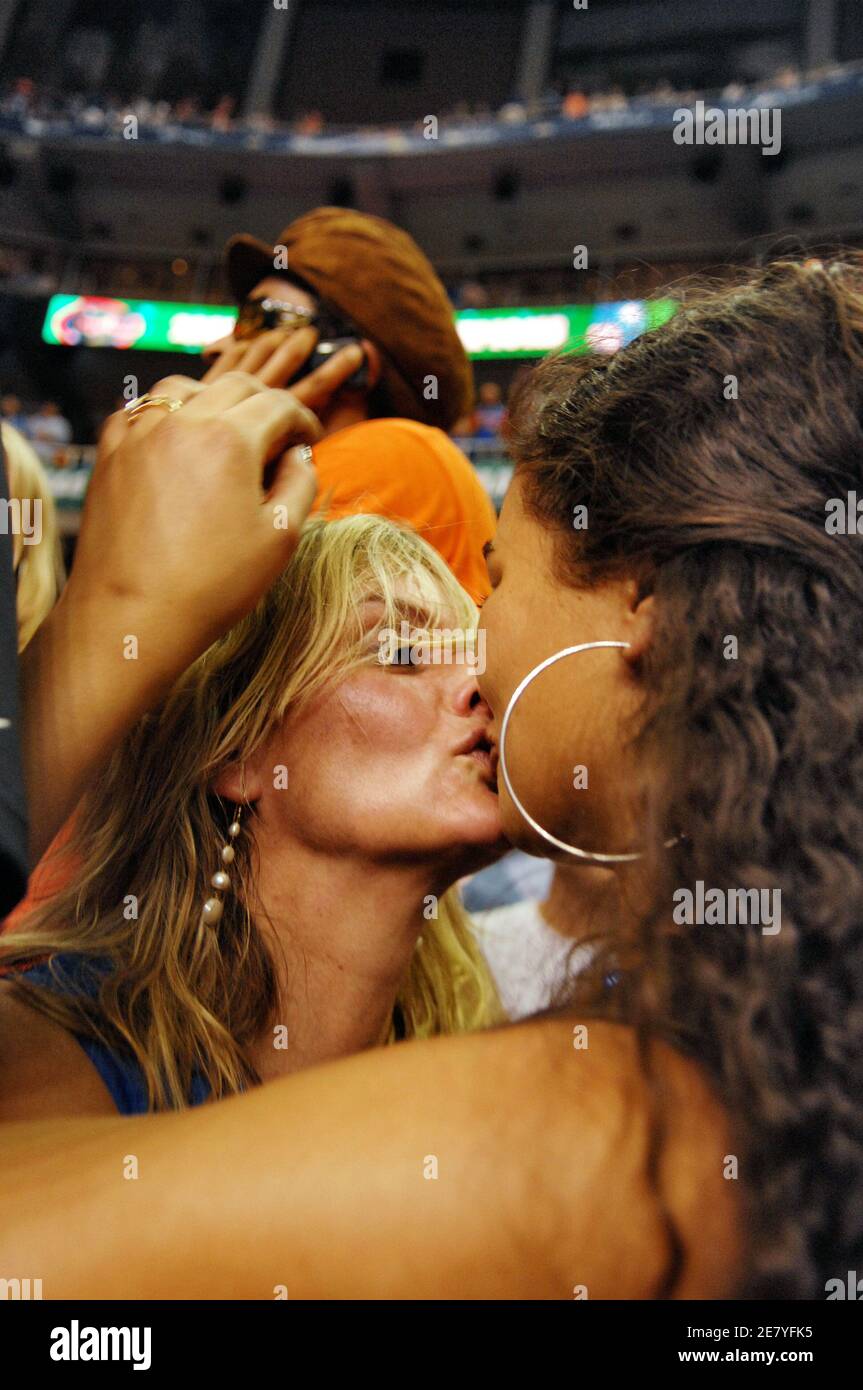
(534, 60)
(821, 33)
(270, 56)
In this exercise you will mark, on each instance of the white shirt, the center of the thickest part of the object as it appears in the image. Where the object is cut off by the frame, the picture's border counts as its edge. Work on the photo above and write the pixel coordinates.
(528, 959)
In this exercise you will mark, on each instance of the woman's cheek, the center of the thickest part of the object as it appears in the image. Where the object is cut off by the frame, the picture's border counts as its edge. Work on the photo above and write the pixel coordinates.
(385, 709)
(498, 679)
(486, 677)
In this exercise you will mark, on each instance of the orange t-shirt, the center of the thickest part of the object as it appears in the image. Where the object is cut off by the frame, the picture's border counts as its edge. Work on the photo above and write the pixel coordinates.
(414, 473)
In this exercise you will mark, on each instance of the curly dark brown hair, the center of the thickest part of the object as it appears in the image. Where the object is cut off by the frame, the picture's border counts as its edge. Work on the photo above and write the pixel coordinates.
(707, 453)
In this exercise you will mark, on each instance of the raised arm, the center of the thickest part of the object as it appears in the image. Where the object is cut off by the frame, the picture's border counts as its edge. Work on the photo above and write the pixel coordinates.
(178, 540)
(501, 1165)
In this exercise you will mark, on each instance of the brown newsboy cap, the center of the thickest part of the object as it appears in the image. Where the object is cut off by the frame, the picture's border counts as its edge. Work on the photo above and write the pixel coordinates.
(376, 275)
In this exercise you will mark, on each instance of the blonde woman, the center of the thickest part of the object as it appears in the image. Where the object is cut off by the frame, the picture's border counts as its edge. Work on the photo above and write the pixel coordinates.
(265, 866)
(36, 554)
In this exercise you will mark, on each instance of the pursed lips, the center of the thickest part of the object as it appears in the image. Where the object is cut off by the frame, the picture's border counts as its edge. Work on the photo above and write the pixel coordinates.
(480, 750)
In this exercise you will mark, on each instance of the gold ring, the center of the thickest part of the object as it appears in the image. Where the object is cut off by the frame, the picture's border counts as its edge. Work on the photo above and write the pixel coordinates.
(142, 403)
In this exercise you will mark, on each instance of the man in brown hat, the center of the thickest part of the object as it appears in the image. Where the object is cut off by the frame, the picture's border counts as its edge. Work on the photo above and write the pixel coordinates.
(356, 293)
(335, 268)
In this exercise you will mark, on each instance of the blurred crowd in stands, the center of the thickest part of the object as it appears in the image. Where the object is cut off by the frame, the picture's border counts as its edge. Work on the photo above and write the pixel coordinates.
(107, 113)
(44, 425)
(486, 424)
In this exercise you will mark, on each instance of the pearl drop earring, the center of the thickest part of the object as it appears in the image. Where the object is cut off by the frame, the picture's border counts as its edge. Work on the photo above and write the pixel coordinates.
(214, 906)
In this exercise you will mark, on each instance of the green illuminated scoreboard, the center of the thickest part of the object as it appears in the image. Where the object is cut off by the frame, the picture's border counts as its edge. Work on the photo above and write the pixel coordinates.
(487, 334)
(74, 320)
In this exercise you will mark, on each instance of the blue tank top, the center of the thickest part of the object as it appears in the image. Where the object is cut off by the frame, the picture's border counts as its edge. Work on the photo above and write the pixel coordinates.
(120, 1070)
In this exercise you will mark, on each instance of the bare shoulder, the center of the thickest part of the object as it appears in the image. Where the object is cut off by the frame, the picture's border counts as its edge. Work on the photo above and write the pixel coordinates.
(604, 1108)
(44, 1073)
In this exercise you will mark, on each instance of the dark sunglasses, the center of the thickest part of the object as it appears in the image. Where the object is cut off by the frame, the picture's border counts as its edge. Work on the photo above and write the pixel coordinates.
(259, 315)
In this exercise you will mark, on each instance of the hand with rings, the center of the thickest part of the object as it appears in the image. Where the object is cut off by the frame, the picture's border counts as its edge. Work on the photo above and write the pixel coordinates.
(179, 539)
(146, 411)
(177, 515)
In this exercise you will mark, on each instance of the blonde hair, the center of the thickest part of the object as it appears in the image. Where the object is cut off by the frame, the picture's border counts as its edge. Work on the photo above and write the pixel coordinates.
(189, 998)
(39, 567)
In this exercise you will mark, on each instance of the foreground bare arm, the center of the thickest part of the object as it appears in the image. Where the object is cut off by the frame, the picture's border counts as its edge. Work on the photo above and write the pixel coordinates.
(501, 1165)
